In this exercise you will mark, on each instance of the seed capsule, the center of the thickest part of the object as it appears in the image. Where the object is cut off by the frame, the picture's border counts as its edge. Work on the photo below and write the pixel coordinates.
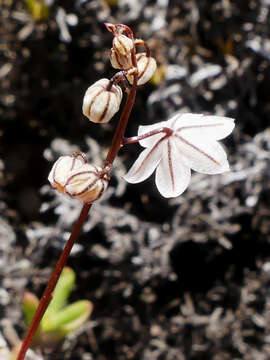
(87, 183)
(123, 45)
(146, 68)
(60, 170)
(100, 104)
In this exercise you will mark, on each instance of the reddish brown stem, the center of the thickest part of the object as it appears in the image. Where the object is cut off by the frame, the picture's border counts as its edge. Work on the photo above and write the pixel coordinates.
(140, 42)
(47, 294)
(135, 139)
(120, 76)
(112, 153)
(119, 133)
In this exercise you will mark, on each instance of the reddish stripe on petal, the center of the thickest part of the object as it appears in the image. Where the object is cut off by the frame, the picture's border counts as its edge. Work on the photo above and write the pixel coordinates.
(170, 164)
(102, 116)
(145, 67)
(148, 155)
(93, 99)
(197, 149)
(197, 126)
(87, 187)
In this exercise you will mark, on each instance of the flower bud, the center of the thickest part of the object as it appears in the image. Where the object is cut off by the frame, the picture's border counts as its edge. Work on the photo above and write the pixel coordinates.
(123, 45)
(118, 61)
(146, 68)
(87, 183)
(100, 104)
(61, 168)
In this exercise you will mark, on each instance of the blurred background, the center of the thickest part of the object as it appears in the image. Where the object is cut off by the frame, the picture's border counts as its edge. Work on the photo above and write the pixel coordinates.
(186, 278)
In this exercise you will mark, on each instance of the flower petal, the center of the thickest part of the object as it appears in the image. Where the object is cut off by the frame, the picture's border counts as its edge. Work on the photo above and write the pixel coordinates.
(202, 154)
(215, 127)
(146, 163)
(172, 175)
(151, 140)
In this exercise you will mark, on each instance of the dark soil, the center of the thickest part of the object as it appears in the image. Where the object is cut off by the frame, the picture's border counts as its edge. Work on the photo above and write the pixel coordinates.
(183, 279)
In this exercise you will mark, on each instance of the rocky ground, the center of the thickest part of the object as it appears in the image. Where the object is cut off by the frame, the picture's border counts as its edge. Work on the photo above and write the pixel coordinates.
(183, 279)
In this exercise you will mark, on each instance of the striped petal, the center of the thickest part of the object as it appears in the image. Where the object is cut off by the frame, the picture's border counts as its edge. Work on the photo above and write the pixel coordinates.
(150, 141)
(202, 155)
(172, 175)
(192, 145)
(213, 127)
(146, 163)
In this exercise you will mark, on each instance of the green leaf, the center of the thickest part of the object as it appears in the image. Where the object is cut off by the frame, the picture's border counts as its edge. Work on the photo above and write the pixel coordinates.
(29, 306)
(68, 319)
(61, 291)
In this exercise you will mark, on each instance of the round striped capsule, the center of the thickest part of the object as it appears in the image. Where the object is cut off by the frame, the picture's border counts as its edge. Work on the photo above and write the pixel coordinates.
(87, 183)
(123, 44)
(61, 169)
(119, 61)
(99, 103)
(146, 68)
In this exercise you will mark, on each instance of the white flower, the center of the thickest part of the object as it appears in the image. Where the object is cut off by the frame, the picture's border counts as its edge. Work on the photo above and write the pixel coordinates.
(191, 144)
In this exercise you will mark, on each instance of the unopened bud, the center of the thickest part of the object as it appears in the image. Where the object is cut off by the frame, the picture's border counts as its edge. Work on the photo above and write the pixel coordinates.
(100, 104)
(119, 61)
(61, 168)
(72, 175)
(123, 45)
(146, 68)
(87, 183)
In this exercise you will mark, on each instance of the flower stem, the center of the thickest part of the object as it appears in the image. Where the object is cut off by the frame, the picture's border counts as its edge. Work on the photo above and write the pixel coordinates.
(112, 153)
(47, 294)
(119, 133)
(135, 139)
(119, 77)
(140, 42)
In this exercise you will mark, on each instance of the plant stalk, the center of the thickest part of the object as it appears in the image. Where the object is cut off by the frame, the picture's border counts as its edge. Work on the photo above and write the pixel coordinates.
(47, 294)
(121, 128)
(135, 139)
(112, 153)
